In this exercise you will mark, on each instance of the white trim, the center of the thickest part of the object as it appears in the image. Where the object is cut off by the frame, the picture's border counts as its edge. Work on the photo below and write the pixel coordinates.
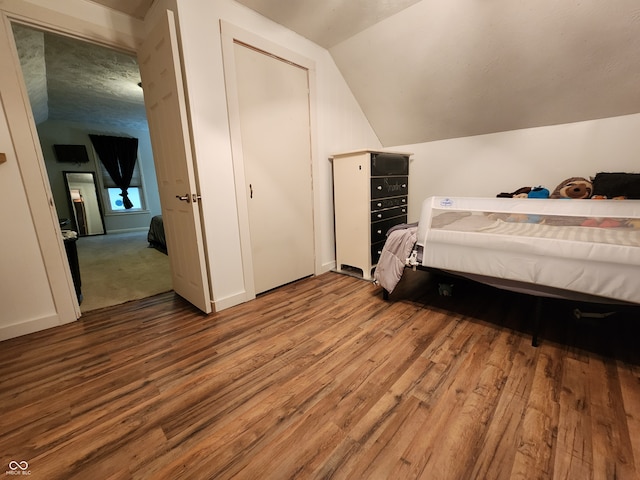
(230, 301)
(115, 32)
(24, 135)
(229, 34)
(29, 326)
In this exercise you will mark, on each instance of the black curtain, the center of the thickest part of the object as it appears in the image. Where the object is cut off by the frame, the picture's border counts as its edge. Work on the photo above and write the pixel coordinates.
(118, 155)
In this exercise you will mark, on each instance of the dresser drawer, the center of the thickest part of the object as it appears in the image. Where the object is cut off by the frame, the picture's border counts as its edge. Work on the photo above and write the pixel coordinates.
(379, 229)
(388, 213)
(382, 187)
(384, 164)
(383, 203)
(376, 250)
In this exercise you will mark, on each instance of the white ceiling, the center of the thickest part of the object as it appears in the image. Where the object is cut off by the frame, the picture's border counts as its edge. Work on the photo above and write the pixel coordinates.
(327, 22)
(135, 8)
(425, 70)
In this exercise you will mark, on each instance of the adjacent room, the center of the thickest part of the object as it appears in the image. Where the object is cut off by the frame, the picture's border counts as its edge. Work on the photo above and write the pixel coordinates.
(78, 89)
(403, 239)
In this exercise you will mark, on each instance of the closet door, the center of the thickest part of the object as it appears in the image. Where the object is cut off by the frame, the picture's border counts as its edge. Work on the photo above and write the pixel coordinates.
(273, 98)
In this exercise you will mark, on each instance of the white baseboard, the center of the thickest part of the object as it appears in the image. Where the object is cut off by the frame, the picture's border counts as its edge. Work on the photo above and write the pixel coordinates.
(327, 267)
(29, 326)
(230, 301)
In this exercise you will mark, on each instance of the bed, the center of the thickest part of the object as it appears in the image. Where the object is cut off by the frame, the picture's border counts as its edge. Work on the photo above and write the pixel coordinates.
(155, 236)
(587, 250)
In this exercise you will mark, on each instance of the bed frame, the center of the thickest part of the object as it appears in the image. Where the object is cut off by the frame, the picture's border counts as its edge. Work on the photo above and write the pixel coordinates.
(542, 247)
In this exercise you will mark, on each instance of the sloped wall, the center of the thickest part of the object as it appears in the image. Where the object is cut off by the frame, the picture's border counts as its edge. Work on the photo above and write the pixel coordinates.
(485, 165)
(439, 69)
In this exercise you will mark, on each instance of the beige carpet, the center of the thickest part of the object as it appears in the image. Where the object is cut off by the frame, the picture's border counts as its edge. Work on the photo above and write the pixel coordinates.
(116, 268)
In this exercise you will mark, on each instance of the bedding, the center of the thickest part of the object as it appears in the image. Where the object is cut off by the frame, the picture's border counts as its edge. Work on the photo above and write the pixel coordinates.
(155, 236)
(585, 249)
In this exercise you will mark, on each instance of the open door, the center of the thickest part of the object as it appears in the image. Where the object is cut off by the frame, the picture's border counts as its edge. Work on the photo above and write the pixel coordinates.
(164, 99)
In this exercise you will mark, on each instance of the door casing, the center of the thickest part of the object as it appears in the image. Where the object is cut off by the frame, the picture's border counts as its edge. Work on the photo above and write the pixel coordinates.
(21, 124)
(230, 34)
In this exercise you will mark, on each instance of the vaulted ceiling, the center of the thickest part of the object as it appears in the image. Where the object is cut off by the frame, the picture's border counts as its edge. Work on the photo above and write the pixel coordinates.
(426, 70)
(432, 69)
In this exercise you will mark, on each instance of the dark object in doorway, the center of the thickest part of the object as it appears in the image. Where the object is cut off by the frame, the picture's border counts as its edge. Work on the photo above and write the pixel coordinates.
(156, 237)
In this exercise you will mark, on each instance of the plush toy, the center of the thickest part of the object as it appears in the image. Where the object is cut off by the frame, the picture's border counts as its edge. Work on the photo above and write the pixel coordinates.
(520, 193)
(538, 192)
(574, 187)
(526, 192)
(633, 223)
(603, 222)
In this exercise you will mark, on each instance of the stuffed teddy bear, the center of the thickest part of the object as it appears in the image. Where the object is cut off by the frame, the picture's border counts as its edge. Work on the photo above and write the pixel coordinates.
(574, 187)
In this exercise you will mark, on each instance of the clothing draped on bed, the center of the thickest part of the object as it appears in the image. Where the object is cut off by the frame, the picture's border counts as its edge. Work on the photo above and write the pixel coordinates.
(393, 259)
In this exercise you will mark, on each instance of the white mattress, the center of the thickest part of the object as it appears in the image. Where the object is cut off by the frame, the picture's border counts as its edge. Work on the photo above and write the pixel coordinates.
(589, 247)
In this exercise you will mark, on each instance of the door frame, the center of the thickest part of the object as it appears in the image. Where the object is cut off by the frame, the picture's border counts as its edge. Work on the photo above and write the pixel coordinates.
(229, 35)
(26, 140)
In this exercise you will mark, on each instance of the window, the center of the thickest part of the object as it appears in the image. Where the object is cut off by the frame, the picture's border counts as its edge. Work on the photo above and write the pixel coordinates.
(113, 197)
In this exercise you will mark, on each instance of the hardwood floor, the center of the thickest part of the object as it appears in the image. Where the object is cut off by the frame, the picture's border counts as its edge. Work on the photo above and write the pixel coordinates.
(324, 379)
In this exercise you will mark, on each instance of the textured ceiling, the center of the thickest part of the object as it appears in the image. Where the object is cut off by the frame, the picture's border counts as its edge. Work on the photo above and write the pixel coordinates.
(421, 70)
(77, 81)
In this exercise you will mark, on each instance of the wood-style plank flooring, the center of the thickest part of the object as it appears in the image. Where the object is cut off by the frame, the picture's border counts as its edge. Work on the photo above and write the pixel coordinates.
(324, 379)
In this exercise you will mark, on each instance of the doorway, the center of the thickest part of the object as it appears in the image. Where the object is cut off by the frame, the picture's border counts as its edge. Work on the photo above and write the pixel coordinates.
(68, 120)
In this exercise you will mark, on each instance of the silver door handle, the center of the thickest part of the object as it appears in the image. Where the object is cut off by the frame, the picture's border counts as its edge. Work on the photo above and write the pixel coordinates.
(184, 198)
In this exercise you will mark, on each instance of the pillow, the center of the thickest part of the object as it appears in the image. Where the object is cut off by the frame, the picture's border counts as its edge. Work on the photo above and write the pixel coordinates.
(617, 185)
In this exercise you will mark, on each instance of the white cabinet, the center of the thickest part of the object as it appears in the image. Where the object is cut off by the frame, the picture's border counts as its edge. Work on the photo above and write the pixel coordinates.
(370, 196)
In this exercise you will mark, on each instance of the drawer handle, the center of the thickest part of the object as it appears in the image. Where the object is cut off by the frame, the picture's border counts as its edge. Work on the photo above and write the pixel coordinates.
(379, 232)
(404, 210)
(379, 215)
(379, 187)
(404, 185)
(379, 204)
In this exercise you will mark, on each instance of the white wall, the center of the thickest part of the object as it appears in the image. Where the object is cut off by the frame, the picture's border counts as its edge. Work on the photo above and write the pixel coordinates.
(25, 295)
(52, 132)
(486, 165)
(340, 126)
(36, 288)
(483, 165)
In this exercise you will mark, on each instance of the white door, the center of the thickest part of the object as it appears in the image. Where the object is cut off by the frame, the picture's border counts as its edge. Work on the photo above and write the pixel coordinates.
(169, 130)
(273, 101)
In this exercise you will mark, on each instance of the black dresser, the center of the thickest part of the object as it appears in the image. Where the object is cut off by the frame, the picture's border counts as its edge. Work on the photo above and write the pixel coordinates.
(370, 196)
